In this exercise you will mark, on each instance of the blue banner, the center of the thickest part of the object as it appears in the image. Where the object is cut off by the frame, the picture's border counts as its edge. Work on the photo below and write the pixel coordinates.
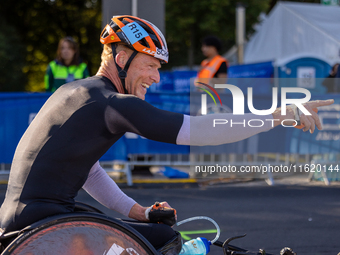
(258, 70)
(18, 109)
(174, 81)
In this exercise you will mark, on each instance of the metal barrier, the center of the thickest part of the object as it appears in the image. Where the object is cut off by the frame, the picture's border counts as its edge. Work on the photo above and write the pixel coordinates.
(18, 109)
(292, 162)
(327, 168)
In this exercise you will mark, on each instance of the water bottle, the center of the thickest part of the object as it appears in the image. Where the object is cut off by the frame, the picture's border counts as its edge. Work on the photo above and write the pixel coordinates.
(198, 246)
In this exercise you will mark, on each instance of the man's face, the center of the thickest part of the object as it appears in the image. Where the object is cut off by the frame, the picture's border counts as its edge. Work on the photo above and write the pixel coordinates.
(143, 71)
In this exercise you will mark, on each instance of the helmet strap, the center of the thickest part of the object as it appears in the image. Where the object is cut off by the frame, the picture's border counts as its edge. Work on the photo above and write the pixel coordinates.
(122, 73)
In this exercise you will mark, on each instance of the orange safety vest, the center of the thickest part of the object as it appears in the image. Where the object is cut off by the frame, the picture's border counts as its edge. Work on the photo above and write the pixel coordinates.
(209, 68)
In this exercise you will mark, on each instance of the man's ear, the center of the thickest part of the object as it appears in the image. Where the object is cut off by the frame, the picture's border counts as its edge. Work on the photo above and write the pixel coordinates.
(121, 58)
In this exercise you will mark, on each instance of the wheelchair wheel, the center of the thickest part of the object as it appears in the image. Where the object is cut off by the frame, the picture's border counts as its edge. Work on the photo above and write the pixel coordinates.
(79, 233)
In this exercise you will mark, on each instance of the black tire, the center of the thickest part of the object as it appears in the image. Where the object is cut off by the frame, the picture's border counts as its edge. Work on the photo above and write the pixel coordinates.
(86, 233)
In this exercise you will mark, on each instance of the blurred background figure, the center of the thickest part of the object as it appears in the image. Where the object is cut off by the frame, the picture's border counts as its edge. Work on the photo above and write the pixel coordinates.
(214, 66)
(330, 83)
(67, 67)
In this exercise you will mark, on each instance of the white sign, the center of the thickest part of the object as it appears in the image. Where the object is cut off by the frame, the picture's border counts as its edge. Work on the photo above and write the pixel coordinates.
(306, 77)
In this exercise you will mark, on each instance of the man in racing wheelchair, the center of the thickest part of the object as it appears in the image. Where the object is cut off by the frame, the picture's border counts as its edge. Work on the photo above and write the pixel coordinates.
(59, 152)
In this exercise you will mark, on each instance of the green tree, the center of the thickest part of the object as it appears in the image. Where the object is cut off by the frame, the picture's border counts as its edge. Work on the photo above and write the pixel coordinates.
(12, 59)
(31, 29)
(188, 22)
(40, 24)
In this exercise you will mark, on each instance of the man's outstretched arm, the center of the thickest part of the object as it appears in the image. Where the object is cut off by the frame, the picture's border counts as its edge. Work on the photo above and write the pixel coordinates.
(131, 114)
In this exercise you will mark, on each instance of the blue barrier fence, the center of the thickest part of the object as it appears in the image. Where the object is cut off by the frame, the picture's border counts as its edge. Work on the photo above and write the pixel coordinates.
(179, 81)
(16, 112)
(17, 109)
(173, 94)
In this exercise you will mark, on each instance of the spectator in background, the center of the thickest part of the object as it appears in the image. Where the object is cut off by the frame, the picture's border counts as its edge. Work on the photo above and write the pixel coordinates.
(214, 66)
(67, 67)
(330, 83)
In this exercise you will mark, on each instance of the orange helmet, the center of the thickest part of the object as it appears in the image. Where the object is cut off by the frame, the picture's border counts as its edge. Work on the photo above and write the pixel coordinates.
(138, 34)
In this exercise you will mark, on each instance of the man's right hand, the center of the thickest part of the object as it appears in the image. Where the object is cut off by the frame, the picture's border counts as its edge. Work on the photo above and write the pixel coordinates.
(308, 121)
(161, 213)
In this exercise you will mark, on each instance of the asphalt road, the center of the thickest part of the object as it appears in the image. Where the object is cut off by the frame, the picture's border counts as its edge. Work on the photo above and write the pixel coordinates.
(303, 217)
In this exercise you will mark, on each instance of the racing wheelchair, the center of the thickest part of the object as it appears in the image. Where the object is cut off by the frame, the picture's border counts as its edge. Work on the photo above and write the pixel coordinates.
(88, 231)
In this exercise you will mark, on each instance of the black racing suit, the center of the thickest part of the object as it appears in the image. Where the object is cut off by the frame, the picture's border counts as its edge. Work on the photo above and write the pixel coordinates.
(74, 128)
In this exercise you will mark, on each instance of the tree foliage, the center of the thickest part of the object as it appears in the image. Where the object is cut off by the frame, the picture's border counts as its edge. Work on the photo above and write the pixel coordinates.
(40, 24)
(31, 29)
(188, 22)
(12, 59)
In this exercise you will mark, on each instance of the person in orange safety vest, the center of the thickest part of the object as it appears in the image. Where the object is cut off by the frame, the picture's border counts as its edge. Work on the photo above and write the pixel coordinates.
(214, 66)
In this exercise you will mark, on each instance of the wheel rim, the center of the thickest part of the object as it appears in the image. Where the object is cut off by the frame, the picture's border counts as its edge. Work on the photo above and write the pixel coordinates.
(85, 235)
